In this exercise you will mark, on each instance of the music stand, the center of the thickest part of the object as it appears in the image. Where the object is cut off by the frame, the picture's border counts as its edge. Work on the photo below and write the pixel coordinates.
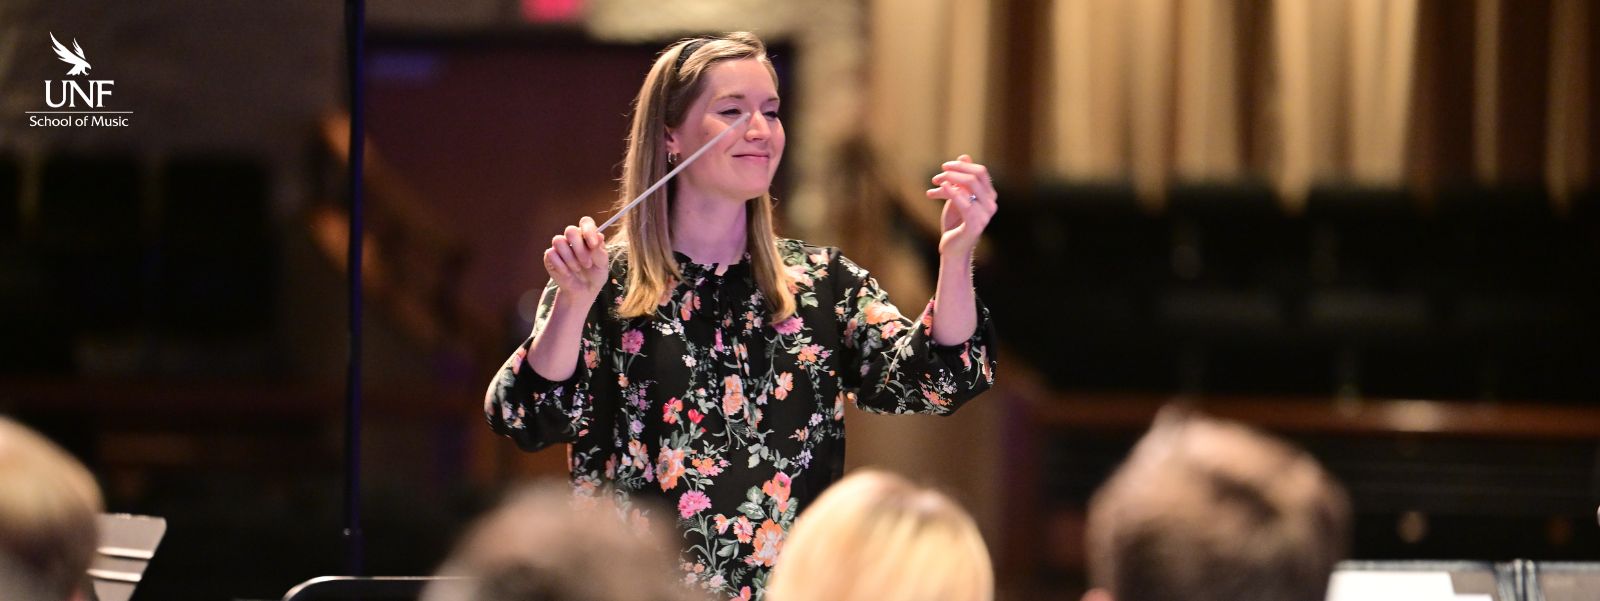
(1562, 580)
(127, 543)
(1496, 581)
(352, 588)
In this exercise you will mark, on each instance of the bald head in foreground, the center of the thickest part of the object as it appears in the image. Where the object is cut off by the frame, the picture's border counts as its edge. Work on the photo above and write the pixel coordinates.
(545, 544)
(1210, 510)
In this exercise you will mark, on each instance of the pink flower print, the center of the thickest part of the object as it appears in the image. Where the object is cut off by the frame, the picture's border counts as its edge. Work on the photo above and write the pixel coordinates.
(695, 416)
(669, 413)
(797, 277)
(785, 384)
(778, 489)
(638, 457)
(691, 303)
(722, 523)
(669, 467)
(791, 325)
(591, 358)
(632, 341)
(808, 353)
(707, 467)
(768, 541)
(743, 529)
(691, 503)
(881, 312)
(744, 595)
(732, 395)
(890, 329)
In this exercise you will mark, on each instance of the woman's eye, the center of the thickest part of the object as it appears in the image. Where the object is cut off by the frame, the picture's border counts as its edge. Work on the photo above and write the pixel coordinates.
(772, 114)
(730, 112)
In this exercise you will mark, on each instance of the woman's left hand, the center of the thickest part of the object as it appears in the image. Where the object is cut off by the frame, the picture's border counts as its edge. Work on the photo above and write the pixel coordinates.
(970, 201)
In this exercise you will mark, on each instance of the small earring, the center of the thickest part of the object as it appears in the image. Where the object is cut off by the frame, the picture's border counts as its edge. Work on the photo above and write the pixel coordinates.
(672, 159)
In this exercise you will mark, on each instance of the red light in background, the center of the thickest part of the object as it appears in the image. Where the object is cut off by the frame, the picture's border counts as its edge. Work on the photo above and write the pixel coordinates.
(546, 11)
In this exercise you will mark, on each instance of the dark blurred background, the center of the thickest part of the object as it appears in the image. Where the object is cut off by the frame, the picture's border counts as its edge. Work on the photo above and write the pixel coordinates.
(1367, 225)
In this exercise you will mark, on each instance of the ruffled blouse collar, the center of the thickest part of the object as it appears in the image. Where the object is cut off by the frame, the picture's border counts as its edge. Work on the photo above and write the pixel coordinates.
(695, 271)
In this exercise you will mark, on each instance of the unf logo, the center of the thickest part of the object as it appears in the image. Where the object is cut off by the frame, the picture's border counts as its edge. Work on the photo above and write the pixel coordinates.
(93, 95)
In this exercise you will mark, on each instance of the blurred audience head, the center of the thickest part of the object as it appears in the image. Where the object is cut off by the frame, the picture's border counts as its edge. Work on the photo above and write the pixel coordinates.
(1209, 510)
(545, 544)
(876, 536)
(49, 506)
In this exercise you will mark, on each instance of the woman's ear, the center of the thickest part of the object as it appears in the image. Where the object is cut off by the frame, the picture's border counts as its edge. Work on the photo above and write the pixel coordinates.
(671, 138)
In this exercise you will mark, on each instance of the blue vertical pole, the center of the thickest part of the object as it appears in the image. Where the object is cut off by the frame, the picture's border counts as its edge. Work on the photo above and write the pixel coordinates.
(355, 17)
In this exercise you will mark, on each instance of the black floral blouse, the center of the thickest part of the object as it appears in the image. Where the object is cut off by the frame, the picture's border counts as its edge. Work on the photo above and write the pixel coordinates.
(736, 423)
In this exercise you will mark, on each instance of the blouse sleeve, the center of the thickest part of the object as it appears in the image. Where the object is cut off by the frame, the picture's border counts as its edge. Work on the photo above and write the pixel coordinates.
(537, 412)
(901, 368)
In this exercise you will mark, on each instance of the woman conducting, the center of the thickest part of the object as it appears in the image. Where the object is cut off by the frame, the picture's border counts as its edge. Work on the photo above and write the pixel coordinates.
(701, 362)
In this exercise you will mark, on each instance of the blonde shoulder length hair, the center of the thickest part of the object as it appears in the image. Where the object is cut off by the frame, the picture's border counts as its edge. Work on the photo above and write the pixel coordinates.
(671, 87)
(876, 536)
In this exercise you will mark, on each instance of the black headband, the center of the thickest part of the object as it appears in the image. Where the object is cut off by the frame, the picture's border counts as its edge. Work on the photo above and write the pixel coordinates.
(687, 50)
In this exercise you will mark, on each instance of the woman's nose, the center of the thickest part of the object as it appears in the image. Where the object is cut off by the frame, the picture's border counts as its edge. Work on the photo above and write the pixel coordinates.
(758, 129)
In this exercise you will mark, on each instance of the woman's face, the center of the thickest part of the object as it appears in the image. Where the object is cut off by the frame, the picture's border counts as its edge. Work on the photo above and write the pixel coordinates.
(741, 165)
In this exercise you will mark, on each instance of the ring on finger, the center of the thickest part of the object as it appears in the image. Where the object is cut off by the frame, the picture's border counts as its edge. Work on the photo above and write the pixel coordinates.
(972, 198)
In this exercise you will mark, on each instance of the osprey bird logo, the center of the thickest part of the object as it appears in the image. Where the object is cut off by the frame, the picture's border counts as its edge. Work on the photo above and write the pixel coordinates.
(80, 63)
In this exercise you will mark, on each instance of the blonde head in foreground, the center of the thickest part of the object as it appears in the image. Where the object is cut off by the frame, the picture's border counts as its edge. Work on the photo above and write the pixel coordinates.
(876, 536)
(1209, 510)
(48, 508)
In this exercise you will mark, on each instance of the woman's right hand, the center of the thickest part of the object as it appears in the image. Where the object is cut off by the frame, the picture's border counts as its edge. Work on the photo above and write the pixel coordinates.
(578, 262)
